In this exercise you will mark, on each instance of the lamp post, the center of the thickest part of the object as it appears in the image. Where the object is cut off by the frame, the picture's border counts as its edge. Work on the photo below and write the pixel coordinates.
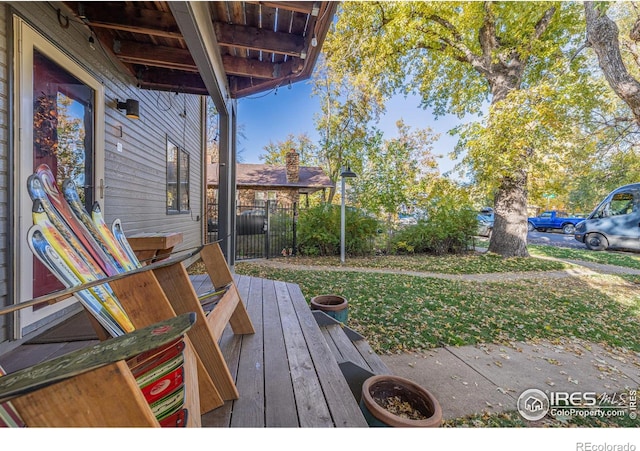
(348, 173)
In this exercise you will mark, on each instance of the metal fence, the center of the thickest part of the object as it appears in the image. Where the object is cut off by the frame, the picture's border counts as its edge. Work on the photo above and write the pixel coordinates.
(262, 231)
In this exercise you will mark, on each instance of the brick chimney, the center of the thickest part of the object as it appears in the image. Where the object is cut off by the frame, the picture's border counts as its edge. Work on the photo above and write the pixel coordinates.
(293, 167)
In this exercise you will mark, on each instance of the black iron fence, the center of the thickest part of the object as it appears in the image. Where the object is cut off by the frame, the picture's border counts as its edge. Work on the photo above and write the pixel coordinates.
(262, 231)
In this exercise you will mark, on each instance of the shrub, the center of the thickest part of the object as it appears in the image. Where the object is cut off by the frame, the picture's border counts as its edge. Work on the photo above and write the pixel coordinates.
(319, 231)
(446, 230)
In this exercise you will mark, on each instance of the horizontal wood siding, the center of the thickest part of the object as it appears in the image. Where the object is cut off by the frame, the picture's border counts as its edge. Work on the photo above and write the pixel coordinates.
(4, 176)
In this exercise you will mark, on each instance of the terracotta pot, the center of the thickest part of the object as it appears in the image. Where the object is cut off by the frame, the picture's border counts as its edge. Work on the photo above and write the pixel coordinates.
(387, 386)
(333, 305)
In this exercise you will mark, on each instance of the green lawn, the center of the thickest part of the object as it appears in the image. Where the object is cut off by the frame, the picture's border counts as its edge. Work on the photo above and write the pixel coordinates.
(402, 312)
(626, 259)
(471, 263)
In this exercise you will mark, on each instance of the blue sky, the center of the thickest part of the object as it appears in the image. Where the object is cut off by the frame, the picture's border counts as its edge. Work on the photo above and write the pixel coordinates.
(272, 116)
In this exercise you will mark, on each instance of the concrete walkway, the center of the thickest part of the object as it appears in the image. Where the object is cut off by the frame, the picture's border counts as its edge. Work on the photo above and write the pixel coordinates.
(489, 378)
(471, 380)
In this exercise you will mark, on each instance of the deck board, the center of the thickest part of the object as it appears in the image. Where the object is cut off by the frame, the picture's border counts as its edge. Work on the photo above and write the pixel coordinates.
(344, 409)
(312, 406)
(248, 411)
(280, 403)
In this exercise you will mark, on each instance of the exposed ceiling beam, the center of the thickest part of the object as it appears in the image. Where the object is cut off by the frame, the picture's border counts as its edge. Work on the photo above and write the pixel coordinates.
(195, 23)
(260, 69)
(156, 55)
(259, 39)
(127, 18)
(164, 80)
(299, 7)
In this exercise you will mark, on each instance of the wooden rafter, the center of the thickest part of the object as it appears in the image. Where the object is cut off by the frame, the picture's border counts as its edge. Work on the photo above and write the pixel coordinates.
(299, 7)
(156, 55)
(259, 39)
(127, 18)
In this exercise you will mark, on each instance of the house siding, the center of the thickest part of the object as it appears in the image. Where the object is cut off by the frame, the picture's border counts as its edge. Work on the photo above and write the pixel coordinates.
(4, 174)
(135, 178)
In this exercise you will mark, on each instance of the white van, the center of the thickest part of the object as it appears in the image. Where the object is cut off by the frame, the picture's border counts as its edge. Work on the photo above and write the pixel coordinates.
(615, 222)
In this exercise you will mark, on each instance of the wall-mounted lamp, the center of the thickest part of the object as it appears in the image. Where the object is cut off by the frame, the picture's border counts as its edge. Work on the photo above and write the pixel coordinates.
(314, 41)
(131, 106)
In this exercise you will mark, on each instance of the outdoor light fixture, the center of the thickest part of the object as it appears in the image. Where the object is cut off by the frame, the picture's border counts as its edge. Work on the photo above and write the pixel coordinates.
(345, 174)
(131, 106)
(314, 41)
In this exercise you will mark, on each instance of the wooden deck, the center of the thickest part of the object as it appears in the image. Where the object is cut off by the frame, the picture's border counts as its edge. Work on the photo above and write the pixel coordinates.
(286, 373)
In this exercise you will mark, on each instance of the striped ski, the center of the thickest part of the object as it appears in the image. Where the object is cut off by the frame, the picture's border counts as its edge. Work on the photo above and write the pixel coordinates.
(37, 193)
(100, 233)
(43, 250)
(118, 233)
(79, 267)
(47, 191)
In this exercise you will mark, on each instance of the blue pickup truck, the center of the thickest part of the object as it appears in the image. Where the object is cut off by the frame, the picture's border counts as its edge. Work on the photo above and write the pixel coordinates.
(549, 220)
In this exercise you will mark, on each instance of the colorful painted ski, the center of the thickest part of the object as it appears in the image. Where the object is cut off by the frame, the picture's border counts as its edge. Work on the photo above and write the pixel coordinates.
(176, 420)
(95, 356)
(58, 203)
(169, 405)
(9, 417)
(122, 244)
(80, 267)
(102, 235)
(41, 217)
(43, 250)
(116, 228)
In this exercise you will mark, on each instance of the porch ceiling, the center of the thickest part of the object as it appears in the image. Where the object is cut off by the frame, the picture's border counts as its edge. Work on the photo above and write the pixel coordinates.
(262, 44)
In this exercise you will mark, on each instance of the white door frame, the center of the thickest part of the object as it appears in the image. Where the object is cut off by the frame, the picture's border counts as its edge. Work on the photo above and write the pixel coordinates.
(26, 39)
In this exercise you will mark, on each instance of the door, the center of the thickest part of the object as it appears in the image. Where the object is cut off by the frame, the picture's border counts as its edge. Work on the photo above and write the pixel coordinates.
(618, 218)
(59, 108)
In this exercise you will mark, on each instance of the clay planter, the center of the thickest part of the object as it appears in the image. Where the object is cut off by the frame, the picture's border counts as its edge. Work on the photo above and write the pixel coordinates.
(409, 395)
(333, 305)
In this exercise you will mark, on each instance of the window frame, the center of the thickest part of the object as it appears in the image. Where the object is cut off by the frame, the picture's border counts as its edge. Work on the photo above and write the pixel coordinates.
(180, 180)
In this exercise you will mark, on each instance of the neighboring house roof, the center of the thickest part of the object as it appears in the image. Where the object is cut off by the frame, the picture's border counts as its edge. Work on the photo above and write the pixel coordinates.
(311, 179)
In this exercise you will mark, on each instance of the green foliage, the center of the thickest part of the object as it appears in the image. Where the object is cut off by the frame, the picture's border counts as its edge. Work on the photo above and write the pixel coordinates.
(276, 153)
(445, 231)
(348, 107)
(319, 231)
(396, 170)
(450, 225)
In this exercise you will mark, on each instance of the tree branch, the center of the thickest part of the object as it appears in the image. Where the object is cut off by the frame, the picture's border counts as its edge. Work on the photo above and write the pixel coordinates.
(602, 34)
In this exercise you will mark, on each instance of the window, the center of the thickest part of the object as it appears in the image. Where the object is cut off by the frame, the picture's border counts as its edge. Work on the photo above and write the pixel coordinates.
(620, 204)
(177, 179)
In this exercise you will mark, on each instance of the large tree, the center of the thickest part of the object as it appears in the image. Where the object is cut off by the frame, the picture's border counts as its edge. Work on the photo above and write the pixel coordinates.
(458, 56)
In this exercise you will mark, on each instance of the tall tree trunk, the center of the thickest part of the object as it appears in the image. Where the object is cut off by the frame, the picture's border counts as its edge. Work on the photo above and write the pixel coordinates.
(509, 236)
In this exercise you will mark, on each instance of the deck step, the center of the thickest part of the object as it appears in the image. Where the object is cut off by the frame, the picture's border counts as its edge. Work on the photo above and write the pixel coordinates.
(354, 355)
